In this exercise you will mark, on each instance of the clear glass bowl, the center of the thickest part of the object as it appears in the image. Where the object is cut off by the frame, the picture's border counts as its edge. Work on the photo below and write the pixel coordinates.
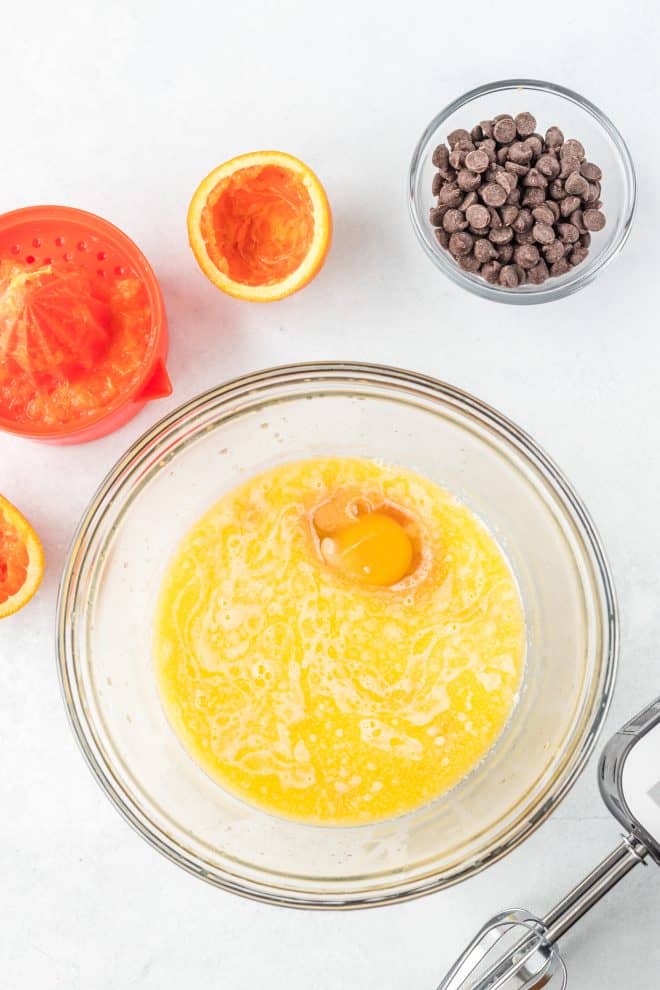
(577, 118)
(170, 476)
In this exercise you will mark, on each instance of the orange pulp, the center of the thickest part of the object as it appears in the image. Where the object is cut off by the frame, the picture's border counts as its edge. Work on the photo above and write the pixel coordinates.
(258, 224)
(71, 342)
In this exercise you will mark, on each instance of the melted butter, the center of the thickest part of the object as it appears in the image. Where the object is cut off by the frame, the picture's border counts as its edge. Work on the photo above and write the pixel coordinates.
(313, 690)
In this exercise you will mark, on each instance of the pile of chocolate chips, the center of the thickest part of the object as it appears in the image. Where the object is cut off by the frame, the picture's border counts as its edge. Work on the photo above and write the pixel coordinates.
(513, 206)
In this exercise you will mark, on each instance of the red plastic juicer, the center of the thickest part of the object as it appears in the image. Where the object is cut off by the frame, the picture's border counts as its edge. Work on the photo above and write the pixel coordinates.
(64, 277)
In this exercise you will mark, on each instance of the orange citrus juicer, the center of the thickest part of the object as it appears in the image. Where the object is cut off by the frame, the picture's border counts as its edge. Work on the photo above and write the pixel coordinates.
(83, 330)
(21, 559)
(260, 226)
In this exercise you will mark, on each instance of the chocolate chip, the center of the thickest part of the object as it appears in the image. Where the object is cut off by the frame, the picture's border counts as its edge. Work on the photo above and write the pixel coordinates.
(468, 200)
(576, 184)
(513, 199)
(484, 249)
(593, 192)
(569, 205)
(502, 155)
(525, 238)
(454, 220)
(578, 255)
(508, 277)
(525, 124)
(477, 161)
(504, 130)
(477, 133)
(460, 243)
(585, 239)
(535, 179)
(549, 166)
(478, 216)
(560, 267)
(568, 165)
(524, 221)
(507, 180)
(527, 255)
(436, 213)
(533, 196)
(516, 168)
(543, 233)
(495, 218)
(487, 128)
(457, 158)
(460, 134)
(553, 252)
(553, 207)
(450, 194)
(489, 148)
(572, 149)
(568, 233)
(521, 273)
(538, 274)
(467, 181)
(535, 143)
(554, 138)
(556, 189)
(577, 219)
(501, 235)
(520, 153)
(594, 220)
(469, 263)
(591, 172)
(491, 271)
(543, 214)
(440, 156)
(493, 194)
(505, 253)
(437, 183)
(442, 237)
(509, 214)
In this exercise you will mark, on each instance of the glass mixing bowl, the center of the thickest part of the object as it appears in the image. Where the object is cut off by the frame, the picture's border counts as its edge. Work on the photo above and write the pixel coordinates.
(170, 476)
(577, 118)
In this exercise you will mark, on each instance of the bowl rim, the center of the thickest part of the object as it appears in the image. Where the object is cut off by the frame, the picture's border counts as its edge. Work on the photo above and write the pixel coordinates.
(253, 384)
(546, 292)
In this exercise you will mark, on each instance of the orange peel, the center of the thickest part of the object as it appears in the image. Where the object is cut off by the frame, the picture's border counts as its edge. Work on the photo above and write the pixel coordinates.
(21, 559)
(260, 226)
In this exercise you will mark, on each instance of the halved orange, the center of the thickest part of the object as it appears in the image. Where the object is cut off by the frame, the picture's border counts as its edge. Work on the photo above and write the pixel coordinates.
(260, 226)
(21, 559)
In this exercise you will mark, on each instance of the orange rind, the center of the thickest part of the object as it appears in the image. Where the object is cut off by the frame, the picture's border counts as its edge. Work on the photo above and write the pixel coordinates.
(21, 559)
(260, 226)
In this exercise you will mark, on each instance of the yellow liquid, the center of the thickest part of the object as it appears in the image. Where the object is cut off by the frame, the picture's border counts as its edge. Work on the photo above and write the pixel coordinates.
(319, 698)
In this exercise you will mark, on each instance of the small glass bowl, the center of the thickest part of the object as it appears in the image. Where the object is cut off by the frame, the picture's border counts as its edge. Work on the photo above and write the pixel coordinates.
(164, 483)
(550, 105)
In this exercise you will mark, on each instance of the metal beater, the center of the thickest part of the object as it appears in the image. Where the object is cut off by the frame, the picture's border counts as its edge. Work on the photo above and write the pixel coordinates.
(517, 950)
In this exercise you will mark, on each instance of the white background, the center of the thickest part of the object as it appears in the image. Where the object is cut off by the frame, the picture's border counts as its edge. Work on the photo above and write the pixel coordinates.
(120, 108)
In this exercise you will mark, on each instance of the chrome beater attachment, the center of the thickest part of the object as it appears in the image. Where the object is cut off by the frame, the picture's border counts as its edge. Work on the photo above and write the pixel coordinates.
(517, 950)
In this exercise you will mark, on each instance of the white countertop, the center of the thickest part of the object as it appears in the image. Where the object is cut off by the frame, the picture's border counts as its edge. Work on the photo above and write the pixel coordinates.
(121, 108)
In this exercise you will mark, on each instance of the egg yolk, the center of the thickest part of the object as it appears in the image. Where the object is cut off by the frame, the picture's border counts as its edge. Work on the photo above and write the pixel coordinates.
(375, 549)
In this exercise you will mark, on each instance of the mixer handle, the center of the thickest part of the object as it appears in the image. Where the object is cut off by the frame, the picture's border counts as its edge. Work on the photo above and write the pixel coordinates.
(595, 885)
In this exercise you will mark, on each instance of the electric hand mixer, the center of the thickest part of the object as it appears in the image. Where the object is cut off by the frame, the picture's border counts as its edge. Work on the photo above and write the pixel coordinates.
(517, 950)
